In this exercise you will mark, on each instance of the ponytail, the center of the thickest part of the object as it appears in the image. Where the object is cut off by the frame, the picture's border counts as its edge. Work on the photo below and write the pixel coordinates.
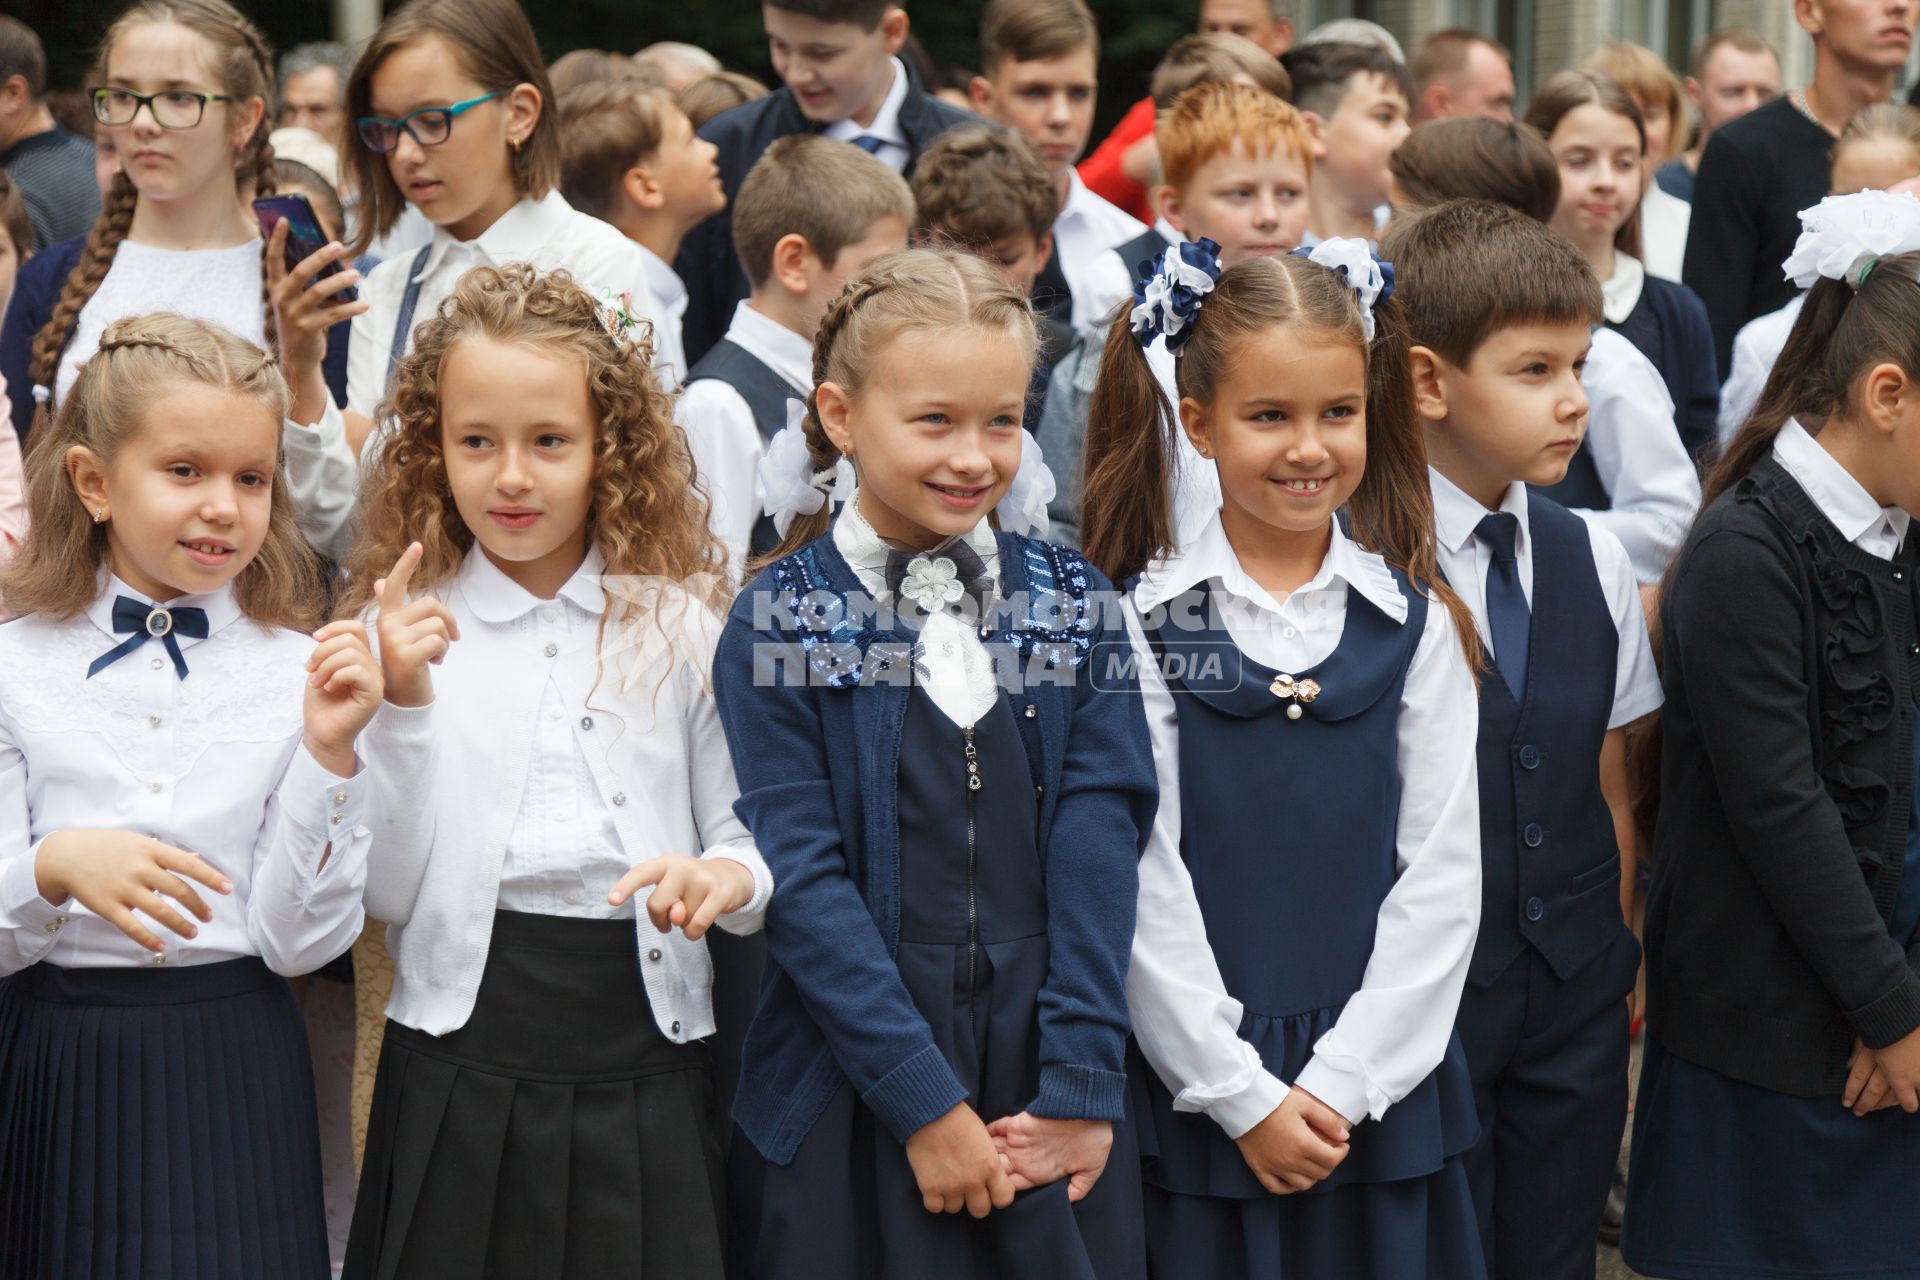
(1126, 503)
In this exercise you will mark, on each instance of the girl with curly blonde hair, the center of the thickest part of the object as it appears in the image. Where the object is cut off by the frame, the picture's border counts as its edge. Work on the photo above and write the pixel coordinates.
(533, 527)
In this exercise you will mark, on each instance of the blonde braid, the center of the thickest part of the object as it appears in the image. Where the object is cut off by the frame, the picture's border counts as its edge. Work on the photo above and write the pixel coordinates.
(103, 242)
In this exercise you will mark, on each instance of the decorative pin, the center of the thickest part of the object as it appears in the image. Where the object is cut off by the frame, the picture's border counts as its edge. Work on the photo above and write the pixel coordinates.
(159, 623)
(1296, 692)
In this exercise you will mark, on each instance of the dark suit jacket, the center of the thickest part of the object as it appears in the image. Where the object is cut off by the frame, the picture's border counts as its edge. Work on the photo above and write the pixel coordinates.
(715, 281)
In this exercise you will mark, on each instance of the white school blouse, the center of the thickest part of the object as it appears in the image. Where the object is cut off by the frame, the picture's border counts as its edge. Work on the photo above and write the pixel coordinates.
(323, 475)
(725, 439)
(1648, 477)
(1875, 529)
(475, 779)
(1756, 348)
(212, 764)
(1394, 1031)
(1465, 559)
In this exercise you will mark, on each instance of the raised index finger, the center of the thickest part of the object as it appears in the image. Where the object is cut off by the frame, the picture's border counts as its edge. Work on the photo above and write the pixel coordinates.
(395, 594)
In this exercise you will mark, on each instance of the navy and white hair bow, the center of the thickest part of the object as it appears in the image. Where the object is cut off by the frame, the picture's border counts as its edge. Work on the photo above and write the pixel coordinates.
(1366, 273)
(1168, 294)
(151, 622)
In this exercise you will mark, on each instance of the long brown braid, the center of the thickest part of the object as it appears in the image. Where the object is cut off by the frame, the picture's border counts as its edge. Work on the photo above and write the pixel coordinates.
(245, 60)
(915, 289)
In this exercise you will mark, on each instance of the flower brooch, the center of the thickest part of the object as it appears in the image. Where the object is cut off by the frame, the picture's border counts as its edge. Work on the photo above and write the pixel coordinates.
(932, 582)
(1296, 693)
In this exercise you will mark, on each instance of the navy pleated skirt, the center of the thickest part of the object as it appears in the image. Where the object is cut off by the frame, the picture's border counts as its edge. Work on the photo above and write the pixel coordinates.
(158, 1124)
(558, 1135)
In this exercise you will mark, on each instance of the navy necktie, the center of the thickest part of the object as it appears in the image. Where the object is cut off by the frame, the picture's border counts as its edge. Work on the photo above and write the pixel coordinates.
(869, 144)
(1508, 618)
(151, 622)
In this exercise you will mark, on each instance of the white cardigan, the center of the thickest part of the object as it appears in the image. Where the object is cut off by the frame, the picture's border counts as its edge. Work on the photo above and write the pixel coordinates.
(450, 777)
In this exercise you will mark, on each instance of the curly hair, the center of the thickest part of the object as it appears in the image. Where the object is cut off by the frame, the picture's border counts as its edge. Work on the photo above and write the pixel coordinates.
(57, 570)
(245, 63)
(648, 513)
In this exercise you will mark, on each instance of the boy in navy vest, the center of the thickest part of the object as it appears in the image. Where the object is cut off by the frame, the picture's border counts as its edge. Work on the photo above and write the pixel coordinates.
(811, 214)
(839, 77)
(1499, 311)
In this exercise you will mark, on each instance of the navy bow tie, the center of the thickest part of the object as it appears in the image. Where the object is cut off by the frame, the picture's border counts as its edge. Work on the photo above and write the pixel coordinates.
(928, 579)
(151, 622)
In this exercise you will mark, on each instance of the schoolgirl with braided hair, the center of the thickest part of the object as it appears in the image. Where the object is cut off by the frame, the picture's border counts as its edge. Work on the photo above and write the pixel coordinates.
(184, 825)
(183, 87)
(1311, 891)
(952, 798)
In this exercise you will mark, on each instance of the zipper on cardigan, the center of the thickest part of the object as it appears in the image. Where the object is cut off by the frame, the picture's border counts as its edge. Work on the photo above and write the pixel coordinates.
(973, 903)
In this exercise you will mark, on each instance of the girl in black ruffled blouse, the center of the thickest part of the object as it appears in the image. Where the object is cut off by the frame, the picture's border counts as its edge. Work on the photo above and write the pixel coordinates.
(1773, 1131)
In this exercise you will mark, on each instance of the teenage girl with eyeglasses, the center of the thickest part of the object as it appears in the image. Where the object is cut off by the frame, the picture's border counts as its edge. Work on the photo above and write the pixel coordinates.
(450, 103)
(182, 89)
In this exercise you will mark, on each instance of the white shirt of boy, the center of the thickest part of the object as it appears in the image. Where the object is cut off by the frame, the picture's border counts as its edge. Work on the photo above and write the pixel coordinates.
(1465, 559)
(1088, 229)
(323, 476)
(1637, 452)
(667, 304)
(726, 442)
(1110, 279)
(1395, 1029)
(1756, 348)
(893, 149)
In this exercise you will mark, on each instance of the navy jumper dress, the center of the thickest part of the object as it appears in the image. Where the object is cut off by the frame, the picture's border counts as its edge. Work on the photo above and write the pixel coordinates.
(973, 956)
(1288, 829)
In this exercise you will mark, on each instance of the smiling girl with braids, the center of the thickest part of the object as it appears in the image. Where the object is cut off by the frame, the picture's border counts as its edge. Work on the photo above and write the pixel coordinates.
(952, 805)
(182, 87)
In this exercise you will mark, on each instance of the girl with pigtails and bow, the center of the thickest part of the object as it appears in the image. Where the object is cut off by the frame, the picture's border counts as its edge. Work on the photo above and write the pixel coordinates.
(1310, 892)
(1774, 1130)
(952, 792)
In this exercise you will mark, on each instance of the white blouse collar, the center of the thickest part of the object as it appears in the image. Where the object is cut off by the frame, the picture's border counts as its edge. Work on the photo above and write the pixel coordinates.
(1210, 558)
(222, 609)
(1842, 499)
(494, 597)
(1620, 292)
(866, 551)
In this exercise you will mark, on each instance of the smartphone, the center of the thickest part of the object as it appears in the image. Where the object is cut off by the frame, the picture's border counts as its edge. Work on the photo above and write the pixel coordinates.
(304, 236)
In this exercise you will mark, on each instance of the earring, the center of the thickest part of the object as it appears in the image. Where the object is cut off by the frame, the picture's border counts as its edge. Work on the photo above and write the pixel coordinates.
(100, 515)
(515, 144)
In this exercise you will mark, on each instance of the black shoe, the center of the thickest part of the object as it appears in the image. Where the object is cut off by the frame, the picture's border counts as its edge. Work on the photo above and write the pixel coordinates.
(1616, 1210)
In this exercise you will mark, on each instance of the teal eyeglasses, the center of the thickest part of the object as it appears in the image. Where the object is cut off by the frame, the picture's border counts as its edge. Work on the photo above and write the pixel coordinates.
(429, 126)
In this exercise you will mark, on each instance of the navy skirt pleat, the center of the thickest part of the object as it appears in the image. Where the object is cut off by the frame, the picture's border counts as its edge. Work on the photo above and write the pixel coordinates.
(159, 1124)
(557, 1135)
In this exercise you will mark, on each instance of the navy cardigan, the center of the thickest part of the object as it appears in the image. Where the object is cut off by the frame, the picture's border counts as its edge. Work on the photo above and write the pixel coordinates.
(36, 291)
(812, 689)
(1669, 326)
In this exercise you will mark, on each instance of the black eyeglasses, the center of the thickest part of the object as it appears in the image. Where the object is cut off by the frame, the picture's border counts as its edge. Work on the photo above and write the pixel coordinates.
(429, 126)
(173, 109)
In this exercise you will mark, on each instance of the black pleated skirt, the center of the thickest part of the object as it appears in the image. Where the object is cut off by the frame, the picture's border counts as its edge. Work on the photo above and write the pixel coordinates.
(158, 1124)
(558, 1135)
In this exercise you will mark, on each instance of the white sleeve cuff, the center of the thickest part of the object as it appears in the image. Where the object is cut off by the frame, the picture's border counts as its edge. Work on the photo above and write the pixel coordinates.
(750, 918)
(323, 804)
(1341, 1083)
(1239, 1105)
(21, 906)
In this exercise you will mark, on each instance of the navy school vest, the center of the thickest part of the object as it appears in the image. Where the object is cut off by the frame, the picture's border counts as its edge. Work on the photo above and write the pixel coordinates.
(1288, 829)
(766, 394)
(1550, 863)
